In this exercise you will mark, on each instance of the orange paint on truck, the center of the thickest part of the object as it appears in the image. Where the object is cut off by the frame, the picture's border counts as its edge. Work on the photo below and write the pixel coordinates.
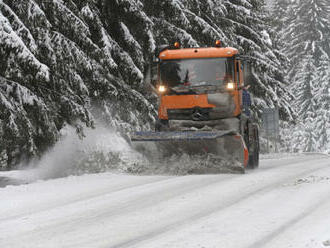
(237, 99)
(182, 102)
(192, 101)
(192, 53)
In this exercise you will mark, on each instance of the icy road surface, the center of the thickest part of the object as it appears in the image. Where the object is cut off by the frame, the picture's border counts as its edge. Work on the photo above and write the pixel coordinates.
(285, 203)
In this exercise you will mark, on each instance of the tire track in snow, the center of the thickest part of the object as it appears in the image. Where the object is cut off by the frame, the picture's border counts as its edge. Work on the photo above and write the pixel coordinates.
(178, 224)
(116, 188)
(89, 196)
(101, 193)
(144, 200)
(292, 161)
(147, 201)
(268, 238)
(141, 203)
(288, 224)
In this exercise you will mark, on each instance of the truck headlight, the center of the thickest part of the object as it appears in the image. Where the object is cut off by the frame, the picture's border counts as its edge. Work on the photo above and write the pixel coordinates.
(230, 85)
(161, 88)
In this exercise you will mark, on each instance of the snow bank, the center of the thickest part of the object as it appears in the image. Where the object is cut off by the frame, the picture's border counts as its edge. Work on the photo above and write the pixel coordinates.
(101, 150)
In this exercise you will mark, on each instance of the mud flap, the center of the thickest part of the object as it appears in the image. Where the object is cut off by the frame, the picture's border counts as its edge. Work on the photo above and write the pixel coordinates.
(220, 149)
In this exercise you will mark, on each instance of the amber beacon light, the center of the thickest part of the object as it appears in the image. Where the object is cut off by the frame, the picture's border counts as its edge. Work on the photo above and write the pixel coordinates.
(218, 43)
(177, 45)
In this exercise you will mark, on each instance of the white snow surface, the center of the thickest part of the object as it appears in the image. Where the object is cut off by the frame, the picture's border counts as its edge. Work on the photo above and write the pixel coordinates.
(284, 203)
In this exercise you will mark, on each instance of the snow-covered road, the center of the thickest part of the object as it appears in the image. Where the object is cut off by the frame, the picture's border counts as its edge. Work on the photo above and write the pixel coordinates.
(285, 203)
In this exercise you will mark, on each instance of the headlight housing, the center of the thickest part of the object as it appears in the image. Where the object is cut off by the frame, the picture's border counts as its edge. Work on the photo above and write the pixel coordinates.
(161, 88)
(230, 85)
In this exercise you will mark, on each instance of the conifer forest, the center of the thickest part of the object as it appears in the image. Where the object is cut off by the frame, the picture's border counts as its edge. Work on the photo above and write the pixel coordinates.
(80, 62)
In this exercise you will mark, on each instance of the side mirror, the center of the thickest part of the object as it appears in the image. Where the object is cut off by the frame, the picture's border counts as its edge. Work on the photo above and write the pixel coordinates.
(152, 72)
(155, 60)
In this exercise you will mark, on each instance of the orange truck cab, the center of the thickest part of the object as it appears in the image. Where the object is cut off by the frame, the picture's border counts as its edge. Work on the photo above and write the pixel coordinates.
(205, 79)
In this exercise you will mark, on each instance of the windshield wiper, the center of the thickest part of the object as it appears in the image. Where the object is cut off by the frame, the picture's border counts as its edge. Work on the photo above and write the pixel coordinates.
(201, 84)
(198, 88)
(182, 90)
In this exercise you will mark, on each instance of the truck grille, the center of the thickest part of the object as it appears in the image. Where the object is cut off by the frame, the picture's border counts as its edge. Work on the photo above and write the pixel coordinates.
(196, 114)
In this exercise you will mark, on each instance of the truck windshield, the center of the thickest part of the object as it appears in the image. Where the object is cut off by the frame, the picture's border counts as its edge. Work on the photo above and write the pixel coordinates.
(196, 72)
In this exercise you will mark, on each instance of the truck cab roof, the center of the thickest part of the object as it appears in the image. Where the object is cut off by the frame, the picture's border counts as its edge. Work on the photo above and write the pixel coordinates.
(191, 53)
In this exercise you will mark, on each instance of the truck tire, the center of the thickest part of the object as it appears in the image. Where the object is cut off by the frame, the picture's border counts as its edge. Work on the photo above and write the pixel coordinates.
(254, 160)
(254, 143)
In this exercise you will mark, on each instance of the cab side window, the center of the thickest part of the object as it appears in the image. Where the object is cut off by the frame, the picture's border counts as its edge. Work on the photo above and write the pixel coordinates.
(238, 73)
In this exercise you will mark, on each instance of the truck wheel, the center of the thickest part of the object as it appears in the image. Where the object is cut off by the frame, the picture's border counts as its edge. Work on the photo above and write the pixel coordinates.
(254, 157)
(251, 162)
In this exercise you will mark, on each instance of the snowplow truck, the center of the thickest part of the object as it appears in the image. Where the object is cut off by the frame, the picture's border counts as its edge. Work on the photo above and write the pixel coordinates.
(201, 108)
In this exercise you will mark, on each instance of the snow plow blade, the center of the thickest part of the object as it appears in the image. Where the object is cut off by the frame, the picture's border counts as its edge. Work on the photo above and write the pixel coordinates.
(223, 150)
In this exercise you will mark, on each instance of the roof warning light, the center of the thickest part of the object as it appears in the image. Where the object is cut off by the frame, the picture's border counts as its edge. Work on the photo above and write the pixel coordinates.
(177, 45)
(218, 43)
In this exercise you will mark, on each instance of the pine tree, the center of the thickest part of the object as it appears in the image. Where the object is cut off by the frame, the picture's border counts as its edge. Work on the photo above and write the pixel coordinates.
(280, 14)
(305, 33)
(308, 30)
(322, 96)
(305, 87)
